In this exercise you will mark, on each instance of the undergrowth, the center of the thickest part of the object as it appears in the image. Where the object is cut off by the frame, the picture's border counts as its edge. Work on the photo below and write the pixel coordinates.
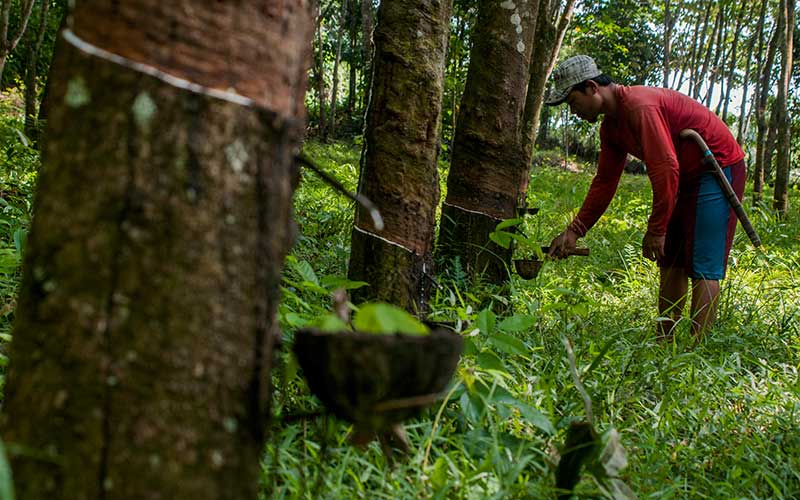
(19, 163)
(709, 418)
(714, 418)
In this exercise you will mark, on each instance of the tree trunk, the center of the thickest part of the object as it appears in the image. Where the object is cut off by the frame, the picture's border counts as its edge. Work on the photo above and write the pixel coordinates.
(551, 26)
(761, 120)
(319, 73)
(713, 68)
(783, 121)
(725, 95)
(8, 44)
(141, 356)
(399, 171)
(351, 91)
(759, 36)
(490, 155)
(34, 45)
(367, 16)
(667, 44)
(698, 75)
(331, 130)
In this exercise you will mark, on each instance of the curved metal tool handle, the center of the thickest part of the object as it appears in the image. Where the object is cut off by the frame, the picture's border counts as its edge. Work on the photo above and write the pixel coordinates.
(725, 185)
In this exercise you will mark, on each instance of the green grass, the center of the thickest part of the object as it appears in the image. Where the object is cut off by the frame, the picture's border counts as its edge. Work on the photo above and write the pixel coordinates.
(18, 166)
(716, 418)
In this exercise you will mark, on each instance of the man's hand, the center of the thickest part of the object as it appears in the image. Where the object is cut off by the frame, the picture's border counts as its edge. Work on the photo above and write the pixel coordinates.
(653, 246)
(563, 245)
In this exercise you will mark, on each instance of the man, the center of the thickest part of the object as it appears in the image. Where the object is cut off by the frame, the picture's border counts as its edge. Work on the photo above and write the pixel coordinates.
(691, 226)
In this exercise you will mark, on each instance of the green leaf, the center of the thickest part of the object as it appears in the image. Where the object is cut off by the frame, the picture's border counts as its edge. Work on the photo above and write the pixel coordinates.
(333, 282)
(509, 344)
(537, 418)
(470, 349)
(9, 260)
(304, 270)
(485, 321)
(501, 238)
(330, 323)
(517, 323)
(385, 318)
(20, 235)
(490, 361)
(291, 367)
(439, 475)
(508, 223)
(294, 320)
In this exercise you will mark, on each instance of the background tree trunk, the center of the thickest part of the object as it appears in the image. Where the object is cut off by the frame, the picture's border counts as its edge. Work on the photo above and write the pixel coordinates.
(399, 171)
(8, 44)
(716, 47)
(758, 37)
(761, 120)
(783, 121)
(698, 74)
(352, 18)
(331, 130)
(143, 339)
(34, 44)
(551, 26)
(490, 155)
(667, 43)
(367, 16)
(725, 97)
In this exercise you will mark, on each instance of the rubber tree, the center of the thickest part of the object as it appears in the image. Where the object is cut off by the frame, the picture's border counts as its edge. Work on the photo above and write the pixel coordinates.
(764, 82)
(401, 140)
(551, 27)
(142, 348)
(35, 38)
(783, 121)
(9, 40)
(489, 157)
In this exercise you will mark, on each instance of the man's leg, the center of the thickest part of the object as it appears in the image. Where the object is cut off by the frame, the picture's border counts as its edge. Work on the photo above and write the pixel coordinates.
(671, 299)
(705, 294)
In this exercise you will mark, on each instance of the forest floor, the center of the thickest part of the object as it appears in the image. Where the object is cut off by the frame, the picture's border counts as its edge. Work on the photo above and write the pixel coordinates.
(716, 417)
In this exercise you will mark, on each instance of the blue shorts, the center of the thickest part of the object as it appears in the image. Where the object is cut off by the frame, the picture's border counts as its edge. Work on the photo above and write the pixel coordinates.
(700, 232)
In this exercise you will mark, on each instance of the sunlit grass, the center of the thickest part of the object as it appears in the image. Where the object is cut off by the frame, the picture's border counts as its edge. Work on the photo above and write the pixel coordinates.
(700, 418)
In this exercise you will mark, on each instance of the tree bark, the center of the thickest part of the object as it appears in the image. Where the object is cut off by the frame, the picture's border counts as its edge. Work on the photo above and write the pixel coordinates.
(725, 97)
(319, 72)
(757, 36)
(783, 121)
(761, 120)
(399, 171)
(698, 75)
(331, 130)
(490, 155)
(141, 356)
(713, 67)
(367, 16)
(551, 26)
(8, 44)
(667, 44)
(34, 45)
(352, 63)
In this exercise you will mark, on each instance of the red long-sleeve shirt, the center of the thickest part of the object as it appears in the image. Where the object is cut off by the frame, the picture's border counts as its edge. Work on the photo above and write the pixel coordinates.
(647, 125)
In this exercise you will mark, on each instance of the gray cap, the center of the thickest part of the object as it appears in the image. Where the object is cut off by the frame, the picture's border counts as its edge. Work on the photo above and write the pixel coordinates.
(574, 70)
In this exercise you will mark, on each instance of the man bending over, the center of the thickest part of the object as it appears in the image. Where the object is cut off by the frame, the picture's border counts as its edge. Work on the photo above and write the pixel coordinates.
(691, 226)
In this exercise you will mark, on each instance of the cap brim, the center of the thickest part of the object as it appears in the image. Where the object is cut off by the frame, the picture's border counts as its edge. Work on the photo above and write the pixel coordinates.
(555, 99)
